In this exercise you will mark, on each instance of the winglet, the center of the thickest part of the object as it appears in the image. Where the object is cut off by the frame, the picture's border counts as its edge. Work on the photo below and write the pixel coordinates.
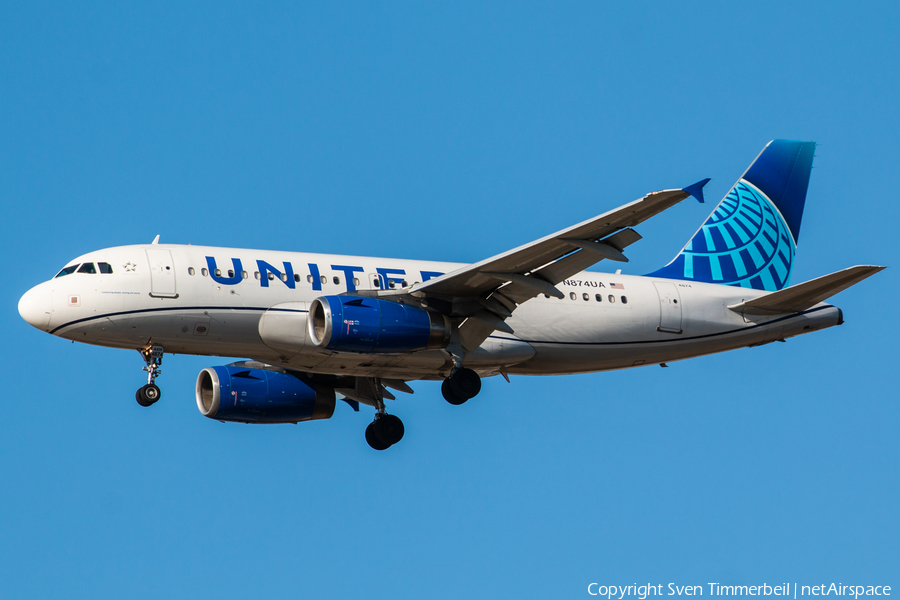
(696, 190)
(353, 403)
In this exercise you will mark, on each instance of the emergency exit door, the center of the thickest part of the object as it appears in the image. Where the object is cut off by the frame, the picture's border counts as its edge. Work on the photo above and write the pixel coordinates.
(669, 307)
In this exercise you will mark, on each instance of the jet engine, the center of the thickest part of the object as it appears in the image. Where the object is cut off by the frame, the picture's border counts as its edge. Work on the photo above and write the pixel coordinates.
(358, 324)
(248, 395)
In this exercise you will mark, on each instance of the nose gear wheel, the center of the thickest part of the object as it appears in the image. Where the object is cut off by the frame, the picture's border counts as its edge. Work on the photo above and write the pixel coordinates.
(148, 394)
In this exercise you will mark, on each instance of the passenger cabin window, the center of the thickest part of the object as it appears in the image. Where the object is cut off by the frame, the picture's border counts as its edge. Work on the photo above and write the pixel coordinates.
(191, 270)
(204, 272)
(67, 271)
(572, 295)
(106, 268)
(624, 300)
(296, 278)
(586, 297)
(309, 278)
(337, 281)
(271, 276)
(230, 273)
(612, 299)
(88, 268)
(244, 275)
(598, 298)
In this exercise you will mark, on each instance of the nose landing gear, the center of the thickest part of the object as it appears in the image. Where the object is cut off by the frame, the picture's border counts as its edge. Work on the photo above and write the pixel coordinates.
(150, 393)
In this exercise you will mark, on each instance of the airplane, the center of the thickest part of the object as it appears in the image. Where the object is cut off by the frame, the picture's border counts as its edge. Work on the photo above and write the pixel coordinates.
(315, 328)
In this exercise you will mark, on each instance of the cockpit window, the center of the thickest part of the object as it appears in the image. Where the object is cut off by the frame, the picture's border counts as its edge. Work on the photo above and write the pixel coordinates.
(88, 268)
(105, 268)
(67, 271)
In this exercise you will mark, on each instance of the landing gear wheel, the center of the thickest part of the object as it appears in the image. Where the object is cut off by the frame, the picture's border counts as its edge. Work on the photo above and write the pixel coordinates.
(373, 440)
(449, 394)
(389, 429)
(147, 395)
(464, 384)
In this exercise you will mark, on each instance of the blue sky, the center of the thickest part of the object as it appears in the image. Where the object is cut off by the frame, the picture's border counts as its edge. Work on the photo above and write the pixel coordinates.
(446, 132)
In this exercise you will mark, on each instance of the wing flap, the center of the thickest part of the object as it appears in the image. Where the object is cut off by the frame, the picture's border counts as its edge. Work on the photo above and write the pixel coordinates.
(473, 332)
(802, 296)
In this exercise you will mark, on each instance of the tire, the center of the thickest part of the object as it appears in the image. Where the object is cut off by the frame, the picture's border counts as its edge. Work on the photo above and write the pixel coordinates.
(449, 395)
(465, 383)
(139, 396)
(148, 395)
(389, 429)
(373, 440)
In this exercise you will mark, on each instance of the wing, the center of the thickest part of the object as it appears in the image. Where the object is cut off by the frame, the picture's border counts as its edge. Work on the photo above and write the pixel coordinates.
(545, 262)
(486, 293)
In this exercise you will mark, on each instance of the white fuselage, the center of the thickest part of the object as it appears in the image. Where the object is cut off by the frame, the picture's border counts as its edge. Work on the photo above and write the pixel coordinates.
(166, 294)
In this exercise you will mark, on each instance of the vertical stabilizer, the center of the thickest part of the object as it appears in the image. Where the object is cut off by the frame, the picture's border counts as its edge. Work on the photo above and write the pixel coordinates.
(750, 239)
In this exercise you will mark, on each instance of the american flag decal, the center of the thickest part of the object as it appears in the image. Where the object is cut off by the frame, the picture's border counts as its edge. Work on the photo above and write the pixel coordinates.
(617, 286)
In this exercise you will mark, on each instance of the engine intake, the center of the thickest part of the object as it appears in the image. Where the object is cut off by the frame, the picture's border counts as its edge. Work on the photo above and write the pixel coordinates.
(246, 395)
(356, 324)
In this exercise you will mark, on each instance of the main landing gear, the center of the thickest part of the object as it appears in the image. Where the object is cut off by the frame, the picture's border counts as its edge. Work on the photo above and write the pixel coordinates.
(385, 431)
(150, 393)
(462, 385)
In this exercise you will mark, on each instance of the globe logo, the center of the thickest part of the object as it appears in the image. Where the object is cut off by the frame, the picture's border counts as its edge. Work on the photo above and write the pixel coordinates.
(745, 242)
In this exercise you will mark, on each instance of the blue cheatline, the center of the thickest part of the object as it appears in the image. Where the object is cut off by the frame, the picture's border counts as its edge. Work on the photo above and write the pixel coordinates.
(750, 239)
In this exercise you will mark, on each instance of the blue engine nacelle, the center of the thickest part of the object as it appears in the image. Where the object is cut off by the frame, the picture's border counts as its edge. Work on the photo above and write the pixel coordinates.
(246, 395)
(358, 324)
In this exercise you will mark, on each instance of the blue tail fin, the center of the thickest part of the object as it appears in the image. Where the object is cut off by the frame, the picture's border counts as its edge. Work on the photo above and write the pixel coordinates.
(750, 239)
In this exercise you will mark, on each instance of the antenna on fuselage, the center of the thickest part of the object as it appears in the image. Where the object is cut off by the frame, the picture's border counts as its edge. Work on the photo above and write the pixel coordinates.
(156, 239)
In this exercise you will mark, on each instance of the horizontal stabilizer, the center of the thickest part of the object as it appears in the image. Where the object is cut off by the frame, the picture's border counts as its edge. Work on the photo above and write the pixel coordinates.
(798, 298)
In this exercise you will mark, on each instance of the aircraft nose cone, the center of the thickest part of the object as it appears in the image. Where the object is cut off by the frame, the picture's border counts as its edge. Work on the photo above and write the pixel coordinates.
(34, 307)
